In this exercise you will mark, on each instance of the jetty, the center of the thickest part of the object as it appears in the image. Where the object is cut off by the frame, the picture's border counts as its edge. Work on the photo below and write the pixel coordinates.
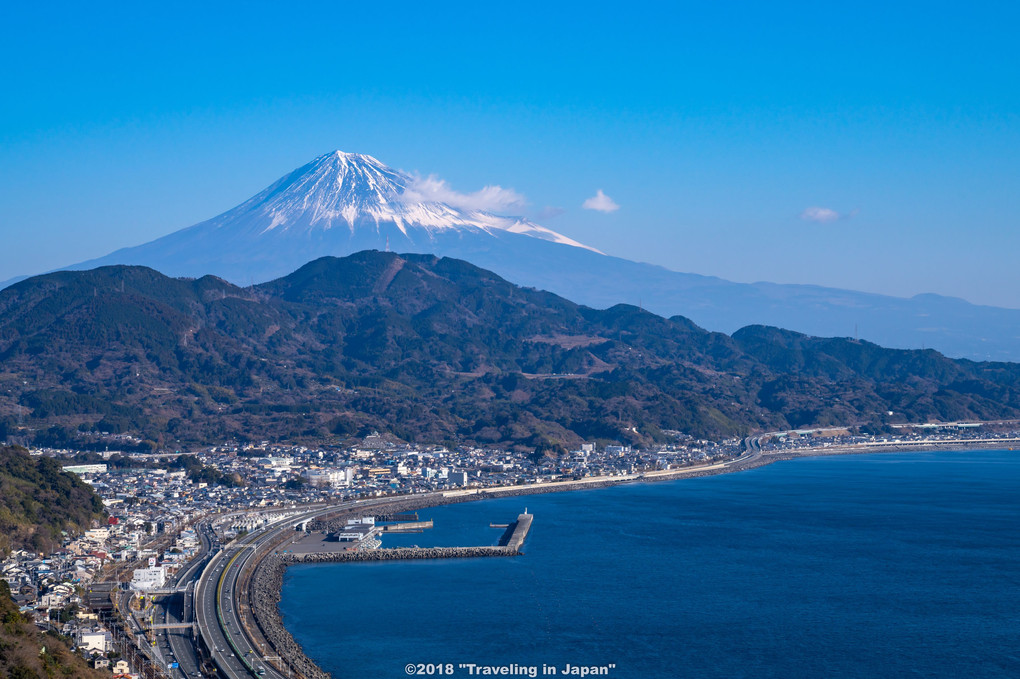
(401, 554)
(515, 533)
(266, 577)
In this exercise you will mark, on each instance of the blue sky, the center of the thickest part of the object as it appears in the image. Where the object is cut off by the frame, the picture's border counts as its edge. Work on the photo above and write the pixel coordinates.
(715, 127)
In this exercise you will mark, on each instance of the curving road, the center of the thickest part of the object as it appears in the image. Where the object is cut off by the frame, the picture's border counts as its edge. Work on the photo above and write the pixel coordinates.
(217, 616)
(217, 595)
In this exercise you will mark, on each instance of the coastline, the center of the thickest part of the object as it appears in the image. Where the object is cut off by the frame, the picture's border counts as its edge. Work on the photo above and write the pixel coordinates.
(266, 582)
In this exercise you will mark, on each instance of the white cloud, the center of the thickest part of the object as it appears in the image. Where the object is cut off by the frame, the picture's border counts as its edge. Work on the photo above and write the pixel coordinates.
(432, 189)
(824, 215)
(600, 202)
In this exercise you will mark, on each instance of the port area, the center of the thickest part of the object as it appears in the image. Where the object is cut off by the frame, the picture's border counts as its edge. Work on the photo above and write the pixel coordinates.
(323, 546)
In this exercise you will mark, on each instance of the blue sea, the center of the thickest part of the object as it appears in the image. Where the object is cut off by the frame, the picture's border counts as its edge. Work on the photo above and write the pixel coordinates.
(887, 565)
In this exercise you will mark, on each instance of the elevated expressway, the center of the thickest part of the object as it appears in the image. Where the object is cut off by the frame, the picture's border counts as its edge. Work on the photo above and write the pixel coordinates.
(180, 609)
(236, 650)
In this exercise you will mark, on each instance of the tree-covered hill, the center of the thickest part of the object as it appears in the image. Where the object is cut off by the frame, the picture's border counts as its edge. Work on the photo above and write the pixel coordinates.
(38, 500)
(431, 349)
(27, 653)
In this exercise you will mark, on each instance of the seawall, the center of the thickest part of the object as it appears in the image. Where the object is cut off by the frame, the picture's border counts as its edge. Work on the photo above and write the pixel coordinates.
(266, 588)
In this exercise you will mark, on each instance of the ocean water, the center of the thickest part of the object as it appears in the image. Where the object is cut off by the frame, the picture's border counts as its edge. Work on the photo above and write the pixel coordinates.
(888, 565)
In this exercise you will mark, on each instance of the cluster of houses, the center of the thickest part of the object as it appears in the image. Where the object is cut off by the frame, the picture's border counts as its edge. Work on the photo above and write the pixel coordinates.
(151, 505)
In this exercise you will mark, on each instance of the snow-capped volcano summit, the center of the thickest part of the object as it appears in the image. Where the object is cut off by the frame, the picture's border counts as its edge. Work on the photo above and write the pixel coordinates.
(335, 187)
(354, 192)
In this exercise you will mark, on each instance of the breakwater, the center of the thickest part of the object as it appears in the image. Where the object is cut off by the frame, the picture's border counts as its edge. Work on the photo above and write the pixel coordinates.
(402, 554)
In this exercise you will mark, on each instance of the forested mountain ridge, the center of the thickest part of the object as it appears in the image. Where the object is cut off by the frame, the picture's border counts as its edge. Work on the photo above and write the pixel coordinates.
(432, 349)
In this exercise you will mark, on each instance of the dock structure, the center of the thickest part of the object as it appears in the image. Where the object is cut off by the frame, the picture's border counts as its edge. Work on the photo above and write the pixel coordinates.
(324, 551)
(515, 533)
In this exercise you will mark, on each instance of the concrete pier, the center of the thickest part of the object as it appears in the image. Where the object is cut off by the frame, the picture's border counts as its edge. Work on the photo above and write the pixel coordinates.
(515, 533)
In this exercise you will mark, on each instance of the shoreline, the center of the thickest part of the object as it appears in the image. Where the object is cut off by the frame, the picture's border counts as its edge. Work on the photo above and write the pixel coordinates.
(265, 583)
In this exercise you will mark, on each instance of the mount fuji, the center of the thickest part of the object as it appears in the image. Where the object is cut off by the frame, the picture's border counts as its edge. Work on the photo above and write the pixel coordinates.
(341, 203)
(337, 204)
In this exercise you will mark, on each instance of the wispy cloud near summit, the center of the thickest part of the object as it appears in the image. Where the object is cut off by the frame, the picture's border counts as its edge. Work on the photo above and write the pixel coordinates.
(432, 189)
(600, 202)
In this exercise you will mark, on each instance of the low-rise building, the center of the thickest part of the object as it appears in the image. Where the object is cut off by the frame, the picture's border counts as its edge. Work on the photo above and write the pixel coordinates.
(94, 640)
(145, 579)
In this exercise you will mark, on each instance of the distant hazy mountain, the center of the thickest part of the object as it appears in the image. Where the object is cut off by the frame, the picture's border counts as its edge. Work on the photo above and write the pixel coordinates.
(342, 203)
(432, 350)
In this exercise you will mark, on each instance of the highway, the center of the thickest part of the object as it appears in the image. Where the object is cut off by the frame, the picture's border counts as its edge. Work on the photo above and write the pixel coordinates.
(216, 596)
(216, 610)
(181, 642)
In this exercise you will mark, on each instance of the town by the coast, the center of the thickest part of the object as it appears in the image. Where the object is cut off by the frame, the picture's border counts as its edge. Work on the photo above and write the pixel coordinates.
(128, 593)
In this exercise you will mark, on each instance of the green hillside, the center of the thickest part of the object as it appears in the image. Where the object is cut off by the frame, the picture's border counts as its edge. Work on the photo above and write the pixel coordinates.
(38, 500)
(27, 653)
